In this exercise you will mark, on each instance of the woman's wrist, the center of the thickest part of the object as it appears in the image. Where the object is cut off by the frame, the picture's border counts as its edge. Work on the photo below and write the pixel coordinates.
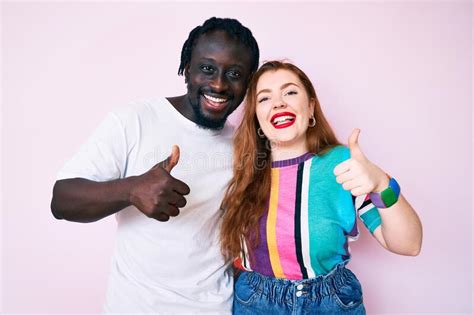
(383, 183)
(388, 196)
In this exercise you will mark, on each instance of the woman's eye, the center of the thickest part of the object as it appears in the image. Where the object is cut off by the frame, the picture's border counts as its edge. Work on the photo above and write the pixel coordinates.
(291, 93)
(263, 99)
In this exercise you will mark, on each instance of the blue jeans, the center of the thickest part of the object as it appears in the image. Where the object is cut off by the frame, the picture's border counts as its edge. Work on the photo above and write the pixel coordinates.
(338, 292)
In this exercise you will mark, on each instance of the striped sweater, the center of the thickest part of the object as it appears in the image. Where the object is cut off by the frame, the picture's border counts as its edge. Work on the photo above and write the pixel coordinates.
(309, 220)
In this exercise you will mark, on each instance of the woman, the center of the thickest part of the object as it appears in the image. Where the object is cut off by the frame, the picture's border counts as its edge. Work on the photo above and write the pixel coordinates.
(291, 206)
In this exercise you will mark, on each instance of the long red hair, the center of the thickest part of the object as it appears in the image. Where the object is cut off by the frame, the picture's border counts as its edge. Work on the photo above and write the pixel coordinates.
(248, 191)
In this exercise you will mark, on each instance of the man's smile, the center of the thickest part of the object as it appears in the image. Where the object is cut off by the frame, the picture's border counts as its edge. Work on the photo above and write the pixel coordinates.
(215, 103)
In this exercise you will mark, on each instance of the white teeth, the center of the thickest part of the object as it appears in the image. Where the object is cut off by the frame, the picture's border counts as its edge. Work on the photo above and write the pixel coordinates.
(282, 119)
(215, 99)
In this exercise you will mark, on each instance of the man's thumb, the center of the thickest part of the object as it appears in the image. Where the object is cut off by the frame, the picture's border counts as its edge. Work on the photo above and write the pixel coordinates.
(172, 160)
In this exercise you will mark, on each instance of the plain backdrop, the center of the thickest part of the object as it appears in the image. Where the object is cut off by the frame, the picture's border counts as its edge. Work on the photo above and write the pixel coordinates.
(401, 71)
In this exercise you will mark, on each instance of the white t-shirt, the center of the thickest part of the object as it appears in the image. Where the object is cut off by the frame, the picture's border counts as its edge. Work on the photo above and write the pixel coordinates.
(172, 267)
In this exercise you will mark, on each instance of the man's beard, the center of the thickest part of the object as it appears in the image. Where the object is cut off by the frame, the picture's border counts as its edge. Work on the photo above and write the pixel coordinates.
(205, 122)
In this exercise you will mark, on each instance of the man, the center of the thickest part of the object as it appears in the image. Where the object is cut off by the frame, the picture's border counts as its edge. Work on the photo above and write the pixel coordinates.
(172, 267)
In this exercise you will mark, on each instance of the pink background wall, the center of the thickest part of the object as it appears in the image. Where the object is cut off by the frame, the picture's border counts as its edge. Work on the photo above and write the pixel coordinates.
(401, 71)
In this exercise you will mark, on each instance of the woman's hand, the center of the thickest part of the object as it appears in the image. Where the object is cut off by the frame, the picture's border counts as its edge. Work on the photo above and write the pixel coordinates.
(401, 230)
(358, 174)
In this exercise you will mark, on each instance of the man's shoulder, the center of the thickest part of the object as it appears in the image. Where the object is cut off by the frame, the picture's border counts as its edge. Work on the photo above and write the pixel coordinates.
(142, 106)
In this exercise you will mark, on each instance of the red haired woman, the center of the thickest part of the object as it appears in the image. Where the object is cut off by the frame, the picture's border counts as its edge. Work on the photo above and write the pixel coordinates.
(291, 207)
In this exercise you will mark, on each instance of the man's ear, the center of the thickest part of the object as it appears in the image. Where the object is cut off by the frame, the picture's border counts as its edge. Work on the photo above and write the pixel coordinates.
(186, 73)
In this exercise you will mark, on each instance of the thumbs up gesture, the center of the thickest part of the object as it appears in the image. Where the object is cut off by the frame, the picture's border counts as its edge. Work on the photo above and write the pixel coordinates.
(358, 174)
(158, 194)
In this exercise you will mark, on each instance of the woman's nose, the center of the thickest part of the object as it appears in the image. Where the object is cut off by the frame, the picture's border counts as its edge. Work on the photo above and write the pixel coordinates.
(279, 104)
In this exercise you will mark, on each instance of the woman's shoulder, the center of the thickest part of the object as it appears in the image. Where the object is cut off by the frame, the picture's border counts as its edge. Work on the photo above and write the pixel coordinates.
(325, 161)
(337, 154)
(328, 159)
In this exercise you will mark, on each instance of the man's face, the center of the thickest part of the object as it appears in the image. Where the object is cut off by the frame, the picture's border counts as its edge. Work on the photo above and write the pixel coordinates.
(217, 78)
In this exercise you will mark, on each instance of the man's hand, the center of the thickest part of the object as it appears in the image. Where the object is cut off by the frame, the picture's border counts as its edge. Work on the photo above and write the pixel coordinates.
(358, 174)
(158, 194)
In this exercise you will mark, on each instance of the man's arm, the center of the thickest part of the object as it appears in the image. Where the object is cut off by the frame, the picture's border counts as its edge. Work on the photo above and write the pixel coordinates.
(155, 193)
(83, 200)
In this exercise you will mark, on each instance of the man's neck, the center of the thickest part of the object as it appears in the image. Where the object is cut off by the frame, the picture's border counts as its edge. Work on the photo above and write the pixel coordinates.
(180, 103)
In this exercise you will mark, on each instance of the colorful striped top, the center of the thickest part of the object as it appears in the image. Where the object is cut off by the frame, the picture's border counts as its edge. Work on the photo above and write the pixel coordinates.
(309, 219)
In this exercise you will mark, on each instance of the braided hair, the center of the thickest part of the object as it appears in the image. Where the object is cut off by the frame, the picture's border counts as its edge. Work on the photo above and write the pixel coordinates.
(231, 27)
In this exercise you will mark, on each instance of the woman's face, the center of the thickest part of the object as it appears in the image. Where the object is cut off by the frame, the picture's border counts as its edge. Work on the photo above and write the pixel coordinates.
(283, 109)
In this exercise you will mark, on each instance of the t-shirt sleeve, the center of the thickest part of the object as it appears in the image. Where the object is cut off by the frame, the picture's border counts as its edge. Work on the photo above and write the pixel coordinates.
(104, 155)
(367, 212)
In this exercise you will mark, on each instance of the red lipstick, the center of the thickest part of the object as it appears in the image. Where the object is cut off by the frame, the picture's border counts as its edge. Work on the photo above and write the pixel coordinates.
(283, 120)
